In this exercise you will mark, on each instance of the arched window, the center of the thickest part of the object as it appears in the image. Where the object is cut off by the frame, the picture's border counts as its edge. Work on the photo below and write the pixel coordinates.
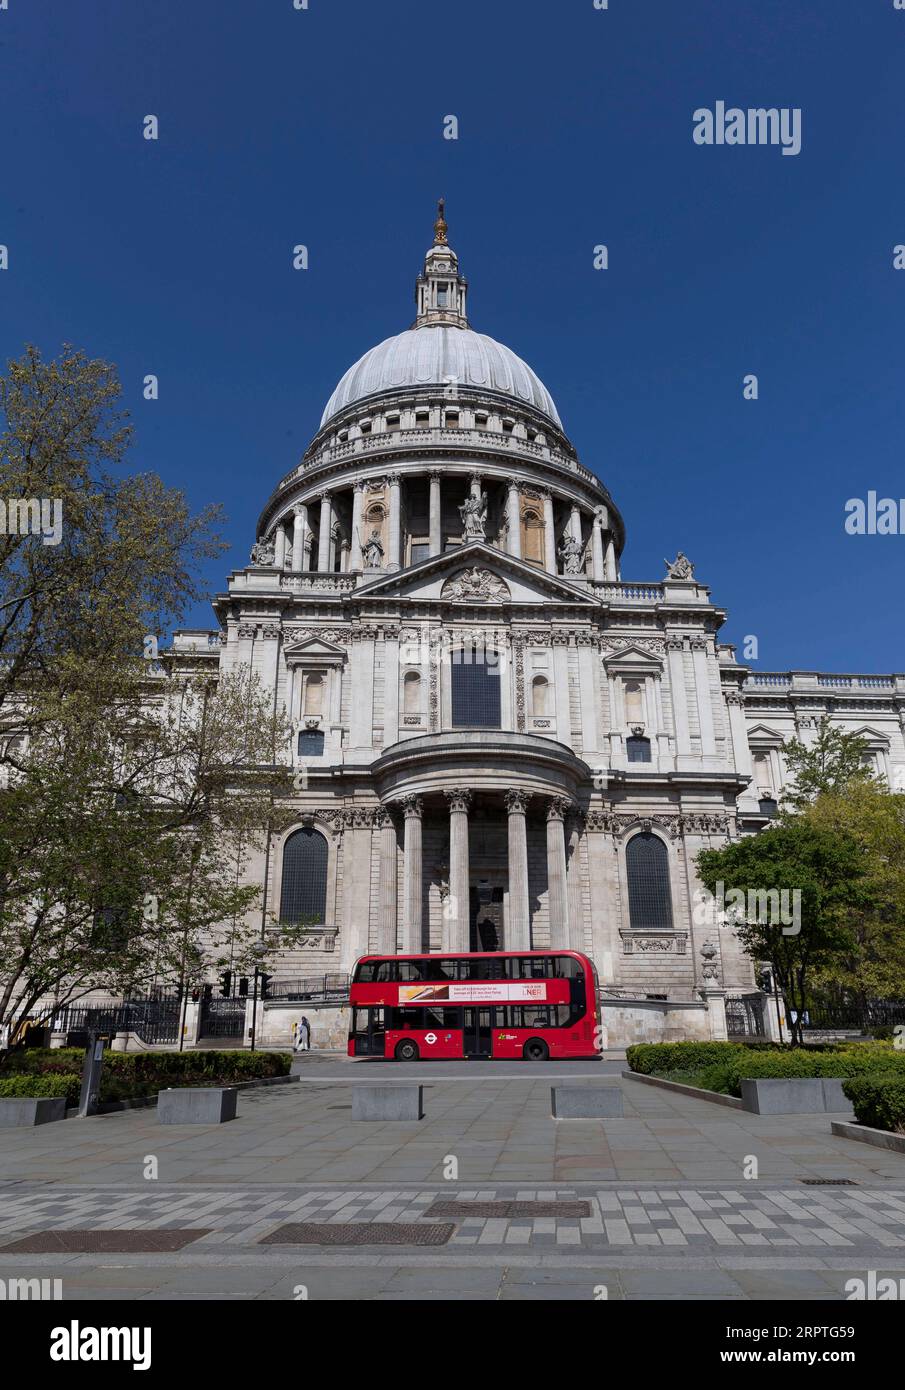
(314, 696)
(539, 689)
(475, 688)
(532, 538)
(634, 702)
(411, 690)
(763, 773)
(649, 899)
(303, 891)
(638, 749)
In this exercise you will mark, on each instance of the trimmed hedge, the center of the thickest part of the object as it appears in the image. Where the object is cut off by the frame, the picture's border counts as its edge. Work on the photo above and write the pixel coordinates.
(28, 1084)
(127, 1075)
(878, 1101)
(650, 1058)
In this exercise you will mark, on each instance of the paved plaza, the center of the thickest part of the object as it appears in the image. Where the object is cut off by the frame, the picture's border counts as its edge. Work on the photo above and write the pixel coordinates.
(656, 1204)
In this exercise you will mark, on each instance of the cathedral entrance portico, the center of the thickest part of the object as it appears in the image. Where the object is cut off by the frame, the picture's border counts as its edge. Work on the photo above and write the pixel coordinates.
(485, 785)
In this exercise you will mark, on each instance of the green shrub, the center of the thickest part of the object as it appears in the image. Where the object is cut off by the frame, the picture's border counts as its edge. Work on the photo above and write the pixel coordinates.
(878, 1101)
(662, 1058)
(799, 1062)
(30, 1084)
(128, 1075)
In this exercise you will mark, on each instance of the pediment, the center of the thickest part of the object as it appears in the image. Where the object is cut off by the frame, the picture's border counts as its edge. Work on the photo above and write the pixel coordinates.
(477, 574)
(765, 737)
(314, 649)
(632, 655)
(870, 735)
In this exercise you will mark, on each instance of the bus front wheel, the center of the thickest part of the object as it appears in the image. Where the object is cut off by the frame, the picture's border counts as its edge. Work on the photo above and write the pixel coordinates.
(407, 1051)
(536, 1051)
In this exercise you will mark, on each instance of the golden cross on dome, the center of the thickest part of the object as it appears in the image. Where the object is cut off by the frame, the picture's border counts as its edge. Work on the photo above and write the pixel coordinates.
(440, 224)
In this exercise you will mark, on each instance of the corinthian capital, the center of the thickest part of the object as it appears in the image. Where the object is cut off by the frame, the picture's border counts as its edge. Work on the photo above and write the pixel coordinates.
(459, 800)
(517, 801)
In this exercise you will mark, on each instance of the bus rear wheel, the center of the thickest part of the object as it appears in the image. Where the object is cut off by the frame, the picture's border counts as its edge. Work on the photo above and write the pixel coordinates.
(407, 1051)
(536, 1051)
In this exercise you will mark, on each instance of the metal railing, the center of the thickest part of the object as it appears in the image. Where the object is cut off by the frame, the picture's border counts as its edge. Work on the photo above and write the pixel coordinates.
(152, 1020)
(311, 987)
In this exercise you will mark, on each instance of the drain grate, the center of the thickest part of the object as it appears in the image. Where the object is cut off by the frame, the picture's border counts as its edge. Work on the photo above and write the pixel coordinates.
(359, 1233)
(102, 1242)
(456, 1210)
(828, 1182)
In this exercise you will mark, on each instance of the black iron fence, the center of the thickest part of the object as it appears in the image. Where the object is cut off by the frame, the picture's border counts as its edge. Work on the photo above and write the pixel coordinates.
(862, 1018)
(310, 988)
(222, 1018)
(745, 1017)
(152, 1020)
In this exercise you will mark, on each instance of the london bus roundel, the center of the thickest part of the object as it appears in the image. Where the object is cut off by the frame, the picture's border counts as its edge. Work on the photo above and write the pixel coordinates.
(507, 1004)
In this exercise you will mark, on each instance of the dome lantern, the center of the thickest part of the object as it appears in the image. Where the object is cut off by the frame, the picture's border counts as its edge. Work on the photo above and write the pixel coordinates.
(440, 290)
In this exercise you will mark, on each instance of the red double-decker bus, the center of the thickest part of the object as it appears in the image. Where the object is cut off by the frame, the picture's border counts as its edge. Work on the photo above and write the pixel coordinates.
(515, 1004)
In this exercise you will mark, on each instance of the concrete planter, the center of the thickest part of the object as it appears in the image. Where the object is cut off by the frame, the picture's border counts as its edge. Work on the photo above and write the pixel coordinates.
(803, 1095)
(586, 1102)
(16, 1111)
(196, 1105)
(879, 1138)
(387, 1102)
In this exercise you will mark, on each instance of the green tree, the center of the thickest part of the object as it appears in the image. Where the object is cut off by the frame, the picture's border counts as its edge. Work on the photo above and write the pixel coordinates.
(827, 872)
(833, 761)
(874, 819)
(125, 836)
(125, 563)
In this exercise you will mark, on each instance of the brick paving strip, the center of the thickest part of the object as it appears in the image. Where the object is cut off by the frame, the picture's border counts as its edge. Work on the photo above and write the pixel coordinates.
(696, 1220)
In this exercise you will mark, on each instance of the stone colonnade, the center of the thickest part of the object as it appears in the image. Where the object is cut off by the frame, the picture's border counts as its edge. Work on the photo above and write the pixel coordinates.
(459, 803)
(332, 545)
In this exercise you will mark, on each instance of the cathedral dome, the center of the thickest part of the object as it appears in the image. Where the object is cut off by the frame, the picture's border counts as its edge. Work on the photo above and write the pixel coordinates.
(430, 356)
(440, 348)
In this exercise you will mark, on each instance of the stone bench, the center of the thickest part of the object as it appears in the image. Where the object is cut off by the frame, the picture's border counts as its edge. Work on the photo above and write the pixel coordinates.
(803, 1095)
(196, 1105)
(387, 1102)
(586, 1102)
(31, 1110)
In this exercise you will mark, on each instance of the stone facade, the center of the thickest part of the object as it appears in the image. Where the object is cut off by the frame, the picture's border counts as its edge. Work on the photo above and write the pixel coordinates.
(439, 517)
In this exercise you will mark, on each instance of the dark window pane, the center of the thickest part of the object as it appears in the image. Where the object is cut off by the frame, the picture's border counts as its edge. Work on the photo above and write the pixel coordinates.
(647, 867)
(638, 749)
(311, 743)
(475, 689)
(303, 896)
(420, 551)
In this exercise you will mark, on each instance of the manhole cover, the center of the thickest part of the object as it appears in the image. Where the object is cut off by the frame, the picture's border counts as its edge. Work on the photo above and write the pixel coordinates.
(359, 1233)
(828, 1182)
(458, 1210)
(101, 1242)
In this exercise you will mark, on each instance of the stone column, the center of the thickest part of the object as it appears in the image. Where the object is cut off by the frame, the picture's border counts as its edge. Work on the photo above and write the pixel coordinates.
(515, 521)
(323, 540)
(599, 564)
(435, 534)
(573, 885)
(411, 904)
(387, 902)
(575, 523)
(459, 884)
(519, 936)
(702, 691)
(395, 558)
(675, 661)
(549, 535)
(279, 558)
(299, 527)
(612, 569)
(355, 562)
(557, 898)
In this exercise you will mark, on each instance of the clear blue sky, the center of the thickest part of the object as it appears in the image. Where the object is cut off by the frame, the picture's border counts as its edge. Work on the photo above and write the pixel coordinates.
(324, 127)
